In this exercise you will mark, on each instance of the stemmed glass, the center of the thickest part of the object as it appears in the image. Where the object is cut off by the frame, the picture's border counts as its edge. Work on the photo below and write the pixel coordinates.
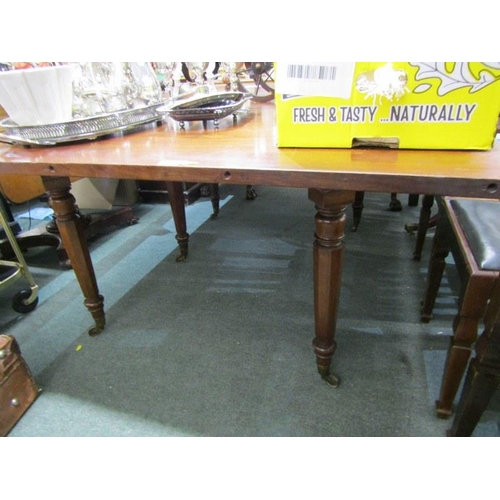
(166, 71)
(198, 70)
(95, 89)
(231, 69)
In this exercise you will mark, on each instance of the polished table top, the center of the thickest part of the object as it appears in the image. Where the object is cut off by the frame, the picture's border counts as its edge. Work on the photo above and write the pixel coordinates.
(245, 152)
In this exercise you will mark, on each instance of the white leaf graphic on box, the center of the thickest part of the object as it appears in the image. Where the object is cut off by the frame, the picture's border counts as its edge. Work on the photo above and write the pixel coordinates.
(459, 77)
(493, 65)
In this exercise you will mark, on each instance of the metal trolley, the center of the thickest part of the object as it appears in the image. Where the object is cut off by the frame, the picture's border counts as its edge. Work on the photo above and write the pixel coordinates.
(26, 300)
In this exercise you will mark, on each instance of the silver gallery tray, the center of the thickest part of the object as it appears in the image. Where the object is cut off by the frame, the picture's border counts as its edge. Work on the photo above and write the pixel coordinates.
(76, 130)
(208, 107)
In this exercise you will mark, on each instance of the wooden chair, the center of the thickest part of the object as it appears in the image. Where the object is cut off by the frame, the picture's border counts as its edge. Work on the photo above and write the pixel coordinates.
(394, 206)
(425, 222)
(469, 229)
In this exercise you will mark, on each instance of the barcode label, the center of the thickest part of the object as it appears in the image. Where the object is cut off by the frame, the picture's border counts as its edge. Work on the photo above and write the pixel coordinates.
(312, 72)
(330, 79)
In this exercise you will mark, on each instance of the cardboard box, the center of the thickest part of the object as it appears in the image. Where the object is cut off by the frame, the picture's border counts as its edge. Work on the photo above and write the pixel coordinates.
(407, 105)
(127, 193)
(103, 194)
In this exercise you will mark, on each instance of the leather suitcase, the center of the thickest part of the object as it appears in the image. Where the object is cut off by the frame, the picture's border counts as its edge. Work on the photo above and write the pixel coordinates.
(18, 389)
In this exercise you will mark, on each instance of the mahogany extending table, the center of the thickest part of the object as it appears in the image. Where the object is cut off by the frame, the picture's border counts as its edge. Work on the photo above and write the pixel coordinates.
(243, 151)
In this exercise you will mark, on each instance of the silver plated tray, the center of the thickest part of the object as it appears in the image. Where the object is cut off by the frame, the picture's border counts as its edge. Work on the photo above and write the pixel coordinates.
(76, 130)
(209, 107)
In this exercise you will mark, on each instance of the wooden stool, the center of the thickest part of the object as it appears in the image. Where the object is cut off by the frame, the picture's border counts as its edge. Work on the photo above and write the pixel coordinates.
(469, 229)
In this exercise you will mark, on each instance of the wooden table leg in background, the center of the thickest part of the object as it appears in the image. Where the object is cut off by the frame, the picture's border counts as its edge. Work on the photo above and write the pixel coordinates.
(483, 375)
(357, 209)
(423, 225)
(328, 252)
(72, 234)
(215, 199)
(176, 200)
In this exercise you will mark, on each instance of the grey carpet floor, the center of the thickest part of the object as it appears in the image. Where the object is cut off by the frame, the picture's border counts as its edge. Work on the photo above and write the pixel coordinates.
(220, 345)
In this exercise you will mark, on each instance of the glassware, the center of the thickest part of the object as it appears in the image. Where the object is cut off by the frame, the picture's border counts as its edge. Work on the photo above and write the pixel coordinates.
(148, 85)
(139, 84)
(197, 69)
(231, 70)
(97, 89)
(108, 87)
(165, 72)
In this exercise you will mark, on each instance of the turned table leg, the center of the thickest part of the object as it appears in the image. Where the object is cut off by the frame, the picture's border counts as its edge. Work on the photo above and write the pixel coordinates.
(328, 251)
(176, 200)
(72, 233)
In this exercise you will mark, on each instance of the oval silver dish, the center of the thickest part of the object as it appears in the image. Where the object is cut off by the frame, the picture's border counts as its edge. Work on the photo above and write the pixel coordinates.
(75, 130)
(207, 107)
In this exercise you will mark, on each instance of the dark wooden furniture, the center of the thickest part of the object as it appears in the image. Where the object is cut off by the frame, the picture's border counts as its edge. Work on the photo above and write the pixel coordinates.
(425, 222)
(245, 153)
(468, 229)
(483, 375)
(394, 206)
(156, 191)
(20, 190)
(48, 234)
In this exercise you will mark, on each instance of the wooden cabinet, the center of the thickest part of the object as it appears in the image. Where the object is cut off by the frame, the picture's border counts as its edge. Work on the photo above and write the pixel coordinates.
(157, 192)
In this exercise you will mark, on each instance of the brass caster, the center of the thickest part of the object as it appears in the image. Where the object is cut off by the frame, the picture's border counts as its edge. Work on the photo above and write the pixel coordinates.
(65, 264)
(331, 380)
(181, 258)
(411, 228)
(95, 330)
(443, 413)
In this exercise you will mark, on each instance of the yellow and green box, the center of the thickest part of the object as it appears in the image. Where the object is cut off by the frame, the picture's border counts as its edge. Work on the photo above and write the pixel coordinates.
(438, 106)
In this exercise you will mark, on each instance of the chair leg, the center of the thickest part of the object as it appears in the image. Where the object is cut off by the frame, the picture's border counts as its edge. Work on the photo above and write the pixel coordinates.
(395, 204)
(465, 329)
(437, 265)
(413, 200)
(357, 208)
(423, 225)
(483, 375)
(215, 199)
(479, 387)
(251, 194)
(456, 363)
